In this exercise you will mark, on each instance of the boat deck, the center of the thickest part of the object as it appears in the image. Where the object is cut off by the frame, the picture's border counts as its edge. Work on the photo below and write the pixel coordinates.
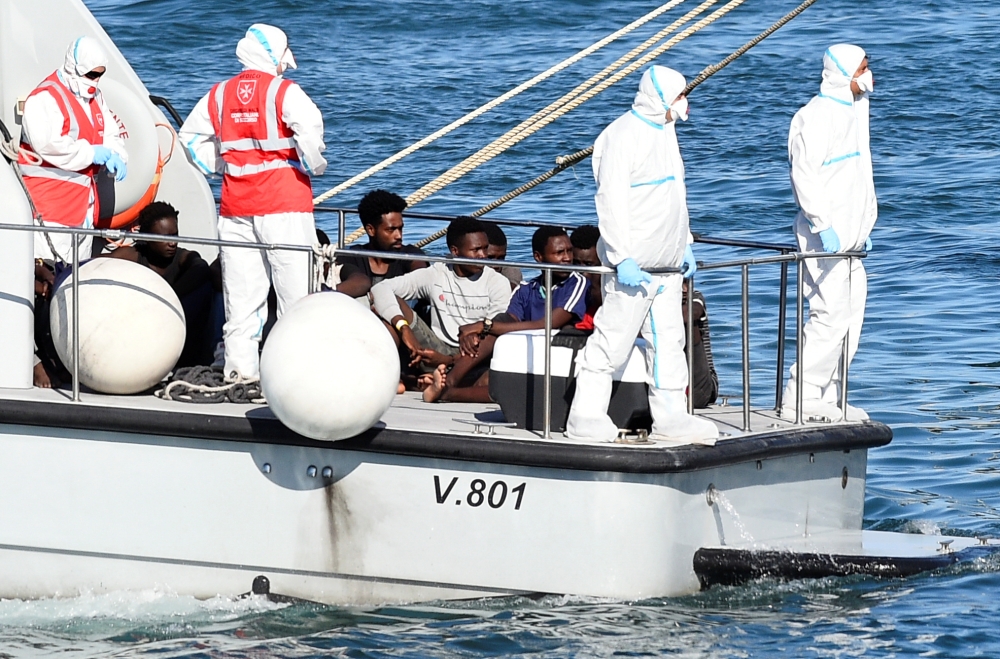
(449, 431)
(408, 414)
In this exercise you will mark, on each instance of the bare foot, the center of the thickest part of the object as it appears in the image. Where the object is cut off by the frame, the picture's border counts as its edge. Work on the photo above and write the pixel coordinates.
(424, 381)
(41, 378)
(437, 387)
(400, 388)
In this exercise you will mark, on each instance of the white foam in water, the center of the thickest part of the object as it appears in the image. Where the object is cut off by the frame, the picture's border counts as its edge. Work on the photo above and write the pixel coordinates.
(724, 502)
(147, 606)
(921, 526)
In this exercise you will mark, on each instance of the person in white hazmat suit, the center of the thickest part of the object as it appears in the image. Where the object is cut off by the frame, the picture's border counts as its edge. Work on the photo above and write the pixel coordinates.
(832, 178)
(643, 220)
(68, 134)
(265, 136)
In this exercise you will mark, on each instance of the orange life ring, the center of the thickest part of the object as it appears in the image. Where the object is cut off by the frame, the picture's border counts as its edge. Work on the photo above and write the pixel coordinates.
(128, 216)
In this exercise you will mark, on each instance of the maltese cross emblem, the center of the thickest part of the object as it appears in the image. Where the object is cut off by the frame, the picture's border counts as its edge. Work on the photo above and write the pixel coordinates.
(246, 90)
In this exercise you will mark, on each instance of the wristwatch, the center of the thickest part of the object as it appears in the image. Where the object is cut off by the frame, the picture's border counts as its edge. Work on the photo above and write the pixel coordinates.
(487, 326)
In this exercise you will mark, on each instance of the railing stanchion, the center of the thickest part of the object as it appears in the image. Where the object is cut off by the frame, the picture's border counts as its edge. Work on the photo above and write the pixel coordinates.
(547, 380)
(313, 276)
(780, 360)
(690, 344)
(843, 377)
(76, 319)
(746, 348)
(341, 228)
(845, 356)
(799, 312)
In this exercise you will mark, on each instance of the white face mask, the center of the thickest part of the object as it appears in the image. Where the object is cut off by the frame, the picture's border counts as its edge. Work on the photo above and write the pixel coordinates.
(83, 87)
(866, 82)
(679, 110)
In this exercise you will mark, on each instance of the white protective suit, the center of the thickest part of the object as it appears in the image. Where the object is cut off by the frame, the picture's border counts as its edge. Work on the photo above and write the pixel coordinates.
(42, 125)
(247, 274)
(831, 173)
(642, 215)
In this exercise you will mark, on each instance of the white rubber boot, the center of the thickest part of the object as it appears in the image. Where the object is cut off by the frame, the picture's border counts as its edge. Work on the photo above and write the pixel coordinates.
(813, 405)
(672, 423)
(831, 396)
(588, 416)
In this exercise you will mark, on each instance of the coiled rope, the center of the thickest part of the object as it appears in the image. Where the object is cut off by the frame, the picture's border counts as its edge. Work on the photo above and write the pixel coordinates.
(497, 101)
(202, 384)
(565, 162)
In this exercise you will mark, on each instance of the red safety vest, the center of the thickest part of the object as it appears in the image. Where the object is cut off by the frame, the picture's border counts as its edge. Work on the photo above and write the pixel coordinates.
(61, 195)
(262, 174)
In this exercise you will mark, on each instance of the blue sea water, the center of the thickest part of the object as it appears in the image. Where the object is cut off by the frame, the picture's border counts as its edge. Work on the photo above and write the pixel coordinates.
(387, 73)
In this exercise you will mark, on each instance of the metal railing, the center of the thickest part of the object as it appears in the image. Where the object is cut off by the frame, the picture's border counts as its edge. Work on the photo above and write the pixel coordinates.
(786, 256)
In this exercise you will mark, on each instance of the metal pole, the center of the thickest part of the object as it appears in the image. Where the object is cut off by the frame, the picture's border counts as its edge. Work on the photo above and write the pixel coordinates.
(341, 228)
(843, 377)
(76, 319)
(780, 360)
(746, 348)
(690, 344)
(799, 312)
(313, 275)
(845, 357)
(547, 381)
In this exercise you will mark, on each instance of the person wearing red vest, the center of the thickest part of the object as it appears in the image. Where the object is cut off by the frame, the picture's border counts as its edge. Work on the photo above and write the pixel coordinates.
(265, 136)
(68, 134)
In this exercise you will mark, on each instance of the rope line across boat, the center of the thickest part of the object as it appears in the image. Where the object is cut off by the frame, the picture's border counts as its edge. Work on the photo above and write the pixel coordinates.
(564, 162)
(552, 111)
(536, 123)
(497, 101)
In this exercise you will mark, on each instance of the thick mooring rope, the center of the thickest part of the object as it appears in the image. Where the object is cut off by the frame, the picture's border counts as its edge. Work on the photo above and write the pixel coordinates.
(537, 122)
(581, 93)
(564, 162)
(497, 101)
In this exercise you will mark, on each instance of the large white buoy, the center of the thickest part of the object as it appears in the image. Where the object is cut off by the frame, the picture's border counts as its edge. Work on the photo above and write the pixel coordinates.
(329, 368)
(132, 326)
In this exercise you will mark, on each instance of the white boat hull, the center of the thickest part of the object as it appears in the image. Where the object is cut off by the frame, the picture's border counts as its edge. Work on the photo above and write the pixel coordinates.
(98, 511)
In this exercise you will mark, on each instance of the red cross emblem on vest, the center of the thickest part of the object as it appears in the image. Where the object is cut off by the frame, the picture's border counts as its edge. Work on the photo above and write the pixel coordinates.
(246, 90)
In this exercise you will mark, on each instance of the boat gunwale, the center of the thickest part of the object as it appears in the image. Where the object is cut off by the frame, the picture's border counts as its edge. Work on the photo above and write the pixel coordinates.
(449, 446)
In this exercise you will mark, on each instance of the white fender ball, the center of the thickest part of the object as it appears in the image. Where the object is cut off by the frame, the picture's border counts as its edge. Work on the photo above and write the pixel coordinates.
(329, 369)
(132, 326)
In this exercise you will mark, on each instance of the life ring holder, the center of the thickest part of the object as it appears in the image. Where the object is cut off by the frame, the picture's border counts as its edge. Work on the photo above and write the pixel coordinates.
(128, 216)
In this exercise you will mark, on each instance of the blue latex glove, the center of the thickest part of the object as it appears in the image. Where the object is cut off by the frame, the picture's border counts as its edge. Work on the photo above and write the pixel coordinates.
(868, 244)
(630, 274)
(689, 266)
(117, 167)
(101, 154)
(831, 241)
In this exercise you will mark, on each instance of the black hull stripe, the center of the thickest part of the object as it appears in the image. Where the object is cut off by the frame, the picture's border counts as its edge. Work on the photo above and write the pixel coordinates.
(258, 426)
